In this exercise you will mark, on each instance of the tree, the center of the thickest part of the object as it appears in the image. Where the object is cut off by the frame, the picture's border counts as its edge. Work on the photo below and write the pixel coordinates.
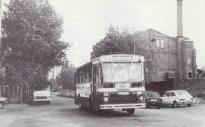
(114, 42)
(31, 40)
(66, 78)
(123, 42)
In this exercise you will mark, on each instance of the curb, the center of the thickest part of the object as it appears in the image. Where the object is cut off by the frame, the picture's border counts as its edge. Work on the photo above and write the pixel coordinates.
(16, 105)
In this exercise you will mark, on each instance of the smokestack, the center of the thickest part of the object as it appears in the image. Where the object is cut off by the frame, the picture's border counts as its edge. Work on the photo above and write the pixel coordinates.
(180, 52)
(179, 19)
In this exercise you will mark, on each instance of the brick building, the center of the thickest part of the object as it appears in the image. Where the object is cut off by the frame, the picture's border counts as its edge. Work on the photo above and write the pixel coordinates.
(168, 59)
(163, 58)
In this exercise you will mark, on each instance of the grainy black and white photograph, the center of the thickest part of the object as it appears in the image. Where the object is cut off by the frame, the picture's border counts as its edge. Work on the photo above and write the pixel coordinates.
(102, 63)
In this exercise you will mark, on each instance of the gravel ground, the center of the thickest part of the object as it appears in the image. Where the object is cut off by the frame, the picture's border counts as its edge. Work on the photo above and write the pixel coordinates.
(64, 113)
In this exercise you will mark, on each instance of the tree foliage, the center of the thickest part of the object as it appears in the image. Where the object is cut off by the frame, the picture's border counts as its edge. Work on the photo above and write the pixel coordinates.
(66, 78)
(31, 39)
(114, 42)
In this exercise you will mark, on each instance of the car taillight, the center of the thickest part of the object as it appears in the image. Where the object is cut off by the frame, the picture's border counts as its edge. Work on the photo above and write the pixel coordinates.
(182, 100)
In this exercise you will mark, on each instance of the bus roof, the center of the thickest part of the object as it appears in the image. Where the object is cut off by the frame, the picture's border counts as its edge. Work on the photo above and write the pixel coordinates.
(116, 58)
(120, 58)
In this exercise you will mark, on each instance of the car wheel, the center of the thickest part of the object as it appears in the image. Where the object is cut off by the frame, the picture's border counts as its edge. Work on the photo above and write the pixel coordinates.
(81, 106)
(188, 105)
(49, 102)
(175, 104)
(130, 111)
(147, 105)
(158, 106)
(1, 105)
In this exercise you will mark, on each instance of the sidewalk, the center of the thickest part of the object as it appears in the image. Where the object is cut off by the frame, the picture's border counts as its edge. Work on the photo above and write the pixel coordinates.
(13, 106)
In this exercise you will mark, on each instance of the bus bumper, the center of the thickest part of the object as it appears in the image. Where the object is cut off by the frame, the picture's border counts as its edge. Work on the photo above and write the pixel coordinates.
(122, 106)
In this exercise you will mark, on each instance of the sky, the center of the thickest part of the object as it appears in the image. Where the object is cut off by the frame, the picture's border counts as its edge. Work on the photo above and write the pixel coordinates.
(86, 22)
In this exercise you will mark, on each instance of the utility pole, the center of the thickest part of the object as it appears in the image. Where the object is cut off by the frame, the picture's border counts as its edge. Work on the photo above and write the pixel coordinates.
(1, 85)
(0, 27)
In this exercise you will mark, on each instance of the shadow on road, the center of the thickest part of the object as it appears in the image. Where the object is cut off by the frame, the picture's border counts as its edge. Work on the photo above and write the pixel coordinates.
(87, 113)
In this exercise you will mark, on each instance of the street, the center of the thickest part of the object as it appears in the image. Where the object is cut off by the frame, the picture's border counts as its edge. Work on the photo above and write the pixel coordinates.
(64, 113)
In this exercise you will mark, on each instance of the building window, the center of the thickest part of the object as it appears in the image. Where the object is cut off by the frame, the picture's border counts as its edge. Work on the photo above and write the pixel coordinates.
(190, 74)
(160, 43)
(189, 60)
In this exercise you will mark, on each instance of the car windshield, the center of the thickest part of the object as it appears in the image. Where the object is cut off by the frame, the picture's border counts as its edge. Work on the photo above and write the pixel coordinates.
(42, 87)
(152, 94)
(122, 72)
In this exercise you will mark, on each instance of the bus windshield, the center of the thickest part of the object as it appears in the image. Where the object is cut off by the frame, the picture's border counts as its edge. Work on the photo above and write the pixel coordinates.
(122, 72)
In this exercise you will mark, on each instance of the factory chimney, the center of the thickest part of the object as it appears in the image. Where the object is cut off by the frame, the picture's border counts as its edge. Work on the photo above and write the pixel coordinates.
(180, 50)
(179, 19)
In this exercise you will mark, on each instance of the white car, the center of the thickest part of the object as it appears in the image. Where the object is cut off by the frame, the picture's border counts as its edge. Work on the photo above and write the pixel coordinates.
(3, 101)
(42, 96)
(177, 98)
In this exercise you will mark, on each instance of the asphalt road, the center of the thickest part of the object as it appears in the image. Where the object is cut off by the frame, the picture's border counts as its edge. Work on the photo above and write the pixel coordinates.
(64, 113)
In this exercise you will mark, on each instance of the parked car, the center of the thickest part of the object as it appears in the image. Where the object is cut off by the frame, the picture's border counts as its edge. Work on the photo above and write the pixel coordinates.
(3, 101)
(177, 98)
(153, 99)
(58, 93)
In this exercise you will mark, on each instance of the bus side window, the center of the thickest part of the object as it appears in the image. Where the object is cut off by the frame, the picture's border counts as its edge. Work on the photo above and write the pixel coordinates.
(95, 75)
(100, 77)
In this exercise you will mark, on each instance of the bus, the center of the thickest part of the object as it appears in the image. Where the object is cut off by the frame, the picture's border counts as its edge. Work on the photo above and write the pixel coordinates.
(111, 82)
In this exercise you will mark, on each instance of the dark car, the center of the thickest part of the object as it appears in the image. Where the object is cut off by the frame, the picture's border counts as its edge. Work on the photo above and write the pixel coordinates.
(153, 99)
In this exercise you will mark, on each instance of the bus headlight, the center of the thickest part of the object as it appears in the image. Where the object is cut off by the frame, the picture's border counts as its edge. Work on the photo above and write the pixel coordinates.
(139, 92)
(141, 98)
(105, 94)
(109, 85)
(105, 99)
(136, 85)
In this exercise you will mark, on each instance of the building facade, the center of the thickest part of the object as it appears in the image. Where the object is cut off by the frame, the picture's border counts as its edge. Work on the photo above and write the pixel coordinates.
(168, 59)
(161, 54)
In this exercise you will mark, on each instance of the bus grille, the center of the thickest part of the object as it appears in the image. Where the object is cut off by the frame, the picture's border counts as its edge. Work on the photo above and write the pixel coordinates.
(115, 98)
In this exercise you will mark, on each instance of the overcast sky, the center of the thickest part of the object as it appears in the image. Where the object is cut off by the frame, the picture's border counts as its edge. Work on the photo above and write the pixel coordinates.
(86, 21)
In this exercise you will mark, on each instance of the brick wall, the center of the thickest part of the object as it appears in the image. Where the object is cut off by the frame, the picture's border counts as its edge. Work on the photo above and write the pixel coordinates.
(162, 58)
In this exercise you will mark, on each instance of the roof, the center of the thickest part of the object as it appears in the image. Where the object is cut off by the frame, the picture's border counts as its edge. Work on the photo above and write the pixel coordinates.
(150, 29)
(105, 58)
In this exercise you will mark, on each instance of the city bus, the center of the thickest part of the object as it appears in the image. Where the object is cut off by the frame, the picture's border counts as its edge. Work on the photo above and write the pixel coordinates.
(111, 82)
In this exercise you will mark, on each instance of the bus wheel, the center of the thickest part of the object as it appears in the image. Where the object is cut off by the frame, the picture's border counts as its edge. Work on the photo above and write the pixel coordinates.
(91, 105)
(80, 104)
(131, 111)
